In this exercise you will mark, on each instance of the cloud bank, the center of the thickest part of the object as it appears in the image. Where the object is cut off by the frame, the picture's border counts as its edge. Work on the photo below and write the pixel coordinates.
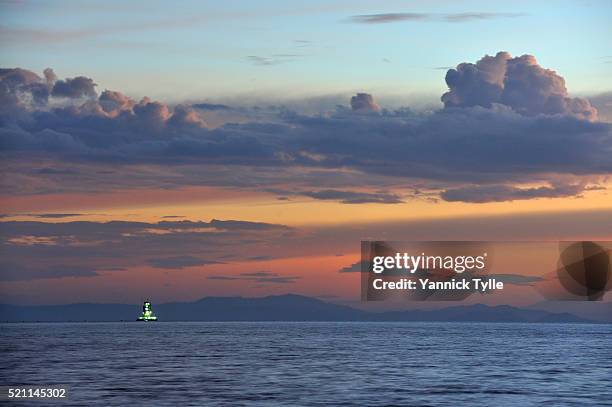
(86, 249)
(31, 250)
(509, 130)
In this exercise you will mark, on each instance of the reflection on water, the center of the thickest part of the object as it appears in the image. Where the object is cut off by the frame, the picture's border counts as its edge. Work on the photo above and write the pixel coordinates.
(292, 364)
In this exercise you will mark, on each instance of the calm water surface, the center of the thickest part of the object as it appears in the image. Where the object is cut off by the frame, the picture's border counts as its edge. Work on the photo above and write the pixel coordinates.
(282, 363)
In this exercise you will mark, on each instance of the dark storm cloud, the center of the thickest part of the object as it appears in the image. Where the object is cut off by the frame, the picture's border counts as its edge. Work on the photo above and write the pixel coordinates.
(385, 18)
(506, 121)
(500, 193)
(351, 197)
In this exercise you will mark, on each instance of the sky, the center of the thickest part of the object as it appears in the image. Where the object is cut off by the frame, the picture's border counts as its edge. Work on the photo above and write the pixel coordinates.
(204, 50)
(231, 148)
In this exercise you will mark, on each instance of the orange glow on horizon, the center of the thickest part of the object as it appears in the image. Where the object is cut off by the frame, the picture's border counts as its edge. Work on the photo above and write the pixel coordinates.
(206, 203)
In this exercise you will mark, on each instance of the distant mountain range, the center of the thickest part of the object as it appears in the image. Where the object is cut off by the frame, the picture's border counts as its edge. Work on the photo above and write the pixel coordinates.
(288, 307)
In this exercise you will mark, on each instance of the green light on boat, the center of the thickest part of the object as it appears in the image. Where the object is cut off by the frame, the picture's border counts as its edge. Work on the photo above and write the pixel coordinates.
(147, 313)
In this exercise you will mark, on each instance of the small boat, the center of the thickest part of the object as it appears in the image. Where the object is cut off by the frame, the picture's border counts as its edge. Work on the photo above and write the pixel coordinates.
(147, 313)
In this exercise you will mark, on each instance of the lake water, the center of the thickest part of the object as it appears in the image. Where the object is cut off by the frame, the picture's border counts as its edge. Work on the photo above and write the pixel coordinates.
(441, 364)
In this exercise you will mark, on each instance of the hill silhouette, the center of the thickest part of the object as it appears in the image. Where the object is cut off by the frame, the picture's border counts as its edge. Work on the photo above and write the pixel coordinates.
(289, 307)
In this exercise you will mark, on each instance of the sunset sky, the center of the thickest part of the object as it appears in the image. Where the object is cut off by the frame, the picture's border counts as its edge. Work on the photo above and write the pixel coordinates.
(246, 148)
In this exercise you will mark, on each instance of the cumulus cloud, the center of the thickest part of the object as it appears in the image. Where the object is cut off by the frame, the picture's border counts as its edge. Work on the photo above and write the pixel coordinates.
(364, 102)
(520, 83)
(50, 77)
(29, 93)
(21, 88)
(185, 115)
(603, 103)
(151, 113)
(478, 84)
(79, 87)
(507, 121)
(113, 102)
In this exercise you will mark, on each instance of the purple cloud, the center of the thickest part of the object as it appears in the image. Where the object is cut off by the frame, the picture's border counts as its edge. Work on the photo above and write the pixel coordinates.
(520, 83)
(507, 122)
(364, 102)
